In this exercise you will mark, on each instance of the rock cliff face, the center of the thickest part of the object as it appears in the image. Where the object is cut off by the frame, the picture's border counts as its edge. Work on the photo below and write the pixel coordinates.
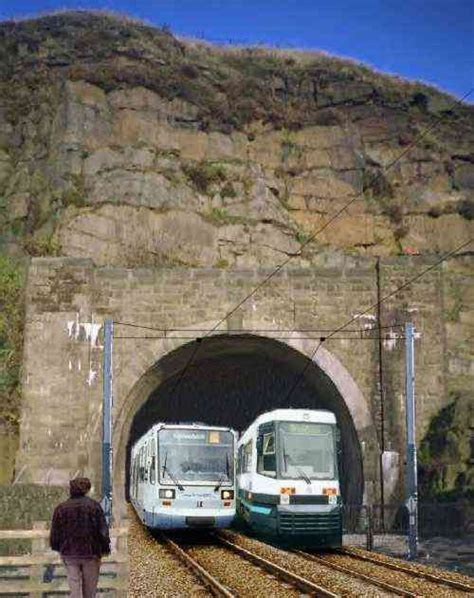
(119, 143)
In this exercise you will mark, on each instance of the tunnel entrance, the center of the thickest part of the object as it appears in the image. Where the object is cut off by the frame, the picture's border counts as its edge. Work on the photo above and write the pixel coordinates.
(234, 378)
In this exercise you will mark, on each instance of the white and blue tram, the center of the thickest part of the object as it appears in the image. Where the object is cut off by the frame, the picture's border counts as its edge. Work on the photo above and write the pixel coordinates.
(287, 478)
(182, 476)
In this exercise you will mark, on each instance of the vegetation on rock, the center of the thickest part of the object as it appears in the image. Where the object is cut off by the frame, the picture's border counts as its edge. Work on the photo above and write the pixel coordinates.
(446, 455)
(11, 338)
(231, 87)
(204, 174)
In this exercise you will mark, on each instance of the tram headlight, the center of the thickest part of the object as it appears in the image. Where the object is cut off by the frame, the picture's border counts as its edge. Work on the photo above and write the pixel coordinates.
(166, 493)
(227, 494)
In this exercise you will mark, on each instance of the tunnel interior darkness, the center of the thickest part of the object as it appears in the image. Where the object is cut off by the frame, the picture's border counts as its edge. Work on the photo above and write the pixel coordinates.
(233, 379)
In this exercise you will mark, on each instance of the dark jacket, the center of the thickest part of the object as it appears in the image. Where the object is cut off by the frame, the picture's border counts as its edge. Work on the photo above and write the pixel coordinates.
(79, 529)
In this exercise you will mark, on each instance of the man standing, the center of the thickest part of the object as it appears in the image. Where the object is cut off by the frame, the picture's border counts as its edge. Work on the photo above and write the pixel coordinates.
(80, 534)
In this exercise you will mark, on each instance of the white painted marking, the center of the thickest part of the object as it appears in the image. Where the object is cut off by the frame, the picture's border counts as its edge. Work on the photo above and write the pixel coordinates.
(391, 342)
(70, 327)
(365, 317)
(92, 331)
(91, 377)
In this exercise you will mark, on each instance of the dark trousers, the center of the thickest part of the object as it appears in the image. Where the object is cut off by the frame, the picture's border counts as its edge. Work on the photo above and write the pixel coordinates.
(82, 576)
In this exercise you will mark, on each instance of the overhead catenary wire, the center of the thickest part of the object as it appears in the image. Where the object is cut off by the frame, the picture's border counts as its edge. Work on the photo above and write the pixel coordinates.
(313, 236)
(177, 385)
(166, 330)
(295, 338)
(322, 228)
(371, 307)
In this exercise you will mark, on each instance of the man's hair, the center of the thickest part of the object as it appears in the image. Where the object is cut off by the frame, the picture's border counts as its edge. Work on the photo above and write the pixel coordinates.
(79, 486)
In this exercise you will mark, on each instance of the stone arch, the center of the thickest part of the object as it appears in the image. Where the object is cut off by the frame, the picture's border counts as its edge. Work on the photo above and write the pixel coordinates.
(159, 370)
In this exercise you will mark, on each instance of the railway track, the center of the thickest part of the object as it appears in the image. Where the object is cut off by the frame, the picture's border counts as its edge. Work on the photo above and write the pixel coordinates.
(354, 573)
(265, 573)
(371, 573)
(409, 570)
(230, 564)
(407, 580)
(207, 578)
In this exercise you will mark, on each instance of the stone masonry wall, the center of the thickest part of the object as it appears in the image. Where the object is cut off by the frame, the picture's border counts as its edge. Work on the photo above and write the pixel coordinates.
(68, 300)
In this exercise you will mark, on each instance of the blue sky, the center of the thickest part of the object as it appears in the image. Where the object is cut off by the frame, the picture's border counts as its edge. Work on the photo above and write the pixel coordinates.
(429, 40)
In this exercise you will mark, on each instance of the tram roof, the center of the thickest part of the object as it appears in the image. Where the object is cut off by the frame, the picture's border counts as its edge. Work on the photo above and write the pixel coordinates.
(321, 416)
(184, 426)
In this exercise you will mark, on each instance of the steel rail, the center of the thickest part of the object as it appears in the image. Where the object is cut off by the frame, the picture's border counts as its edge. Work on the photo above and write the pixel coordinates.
(439, 579)
(354, 573)
(209, 580)
(299, 582)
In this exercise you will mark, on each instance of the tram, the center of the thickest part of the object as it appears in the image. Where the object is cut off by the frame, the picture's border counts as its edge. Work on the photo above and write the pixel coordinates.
(287, 478)
(182, 476)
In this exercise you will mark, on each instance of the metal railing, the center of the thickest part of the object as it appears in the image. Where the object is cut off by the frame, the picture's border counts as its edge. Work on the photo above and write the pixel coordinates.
(42, 571)
(361, 523)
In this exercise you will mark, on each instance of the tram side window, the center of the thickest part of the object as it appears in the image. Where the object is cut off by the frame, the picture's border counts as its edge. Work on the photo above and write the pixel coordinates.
(266, 455)
(142, 465)
(145, 469)
(247, 457)
(152, 469)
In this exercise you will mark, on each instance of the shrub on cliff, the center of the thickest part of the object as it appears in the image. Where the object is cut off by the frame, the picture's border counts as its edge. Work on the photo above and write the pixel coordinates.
(446, 468)
(11, 337)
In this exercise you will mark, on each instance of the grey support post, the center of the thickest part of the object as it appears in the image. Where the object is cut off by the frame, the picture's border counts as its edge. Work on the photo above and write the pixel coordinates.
(107, 422)
(411, 465)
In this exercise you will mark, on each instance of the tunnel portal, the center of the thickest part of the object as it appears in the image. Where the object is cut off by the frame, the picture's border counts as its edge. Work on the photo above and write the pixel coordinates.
(231, 379)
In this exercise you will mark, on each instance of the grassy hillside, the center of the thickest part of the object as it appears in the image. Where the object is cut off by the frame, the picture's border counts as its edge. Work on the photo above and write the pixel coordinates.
(231, 87)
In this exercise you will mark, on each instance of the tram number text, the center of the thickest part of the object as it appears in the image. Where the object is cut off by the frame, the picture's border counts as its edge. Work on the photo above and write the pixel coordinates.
(199, 504)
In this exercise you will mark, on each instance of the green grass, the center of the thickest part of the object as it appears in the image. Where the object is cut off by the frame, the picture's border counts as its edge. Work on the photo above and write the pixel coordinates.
(12, 278)
(445, 467)
(302, 236)
(230, 86)
(42, 245)
(203, 175)
(221, 263)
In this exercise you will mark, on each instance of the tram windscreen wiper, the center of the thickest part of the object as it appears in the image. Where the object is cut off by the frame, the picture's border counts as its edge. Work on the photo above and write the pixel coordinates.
(288, 460)
(171, 475)
(225, 475)
(303, 475)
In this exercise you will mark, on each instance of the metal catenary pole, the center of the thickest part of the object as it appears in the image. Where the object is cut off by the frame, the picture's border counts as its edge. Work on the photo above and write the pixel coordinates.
(411, 471)
(107, 421)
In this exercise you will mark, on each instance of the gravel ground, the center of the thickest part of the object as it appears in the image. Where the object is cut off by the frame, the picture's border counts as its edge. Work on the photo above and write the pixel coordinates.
(451, 554)
(154, 571)
(405, 581)
(455, 554)
(240, 576)
(335, 581)
(417, 566)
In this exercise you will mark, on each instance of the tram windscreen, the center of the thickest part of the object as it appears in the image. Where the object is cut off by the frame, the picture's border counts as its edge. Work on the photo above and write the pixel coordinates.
(196, 456)
(307, 450)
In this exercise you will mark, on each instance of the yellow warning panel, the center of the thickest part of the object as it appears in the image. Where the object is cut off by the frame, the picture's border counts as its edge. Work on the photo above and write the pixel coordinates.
(214, 437)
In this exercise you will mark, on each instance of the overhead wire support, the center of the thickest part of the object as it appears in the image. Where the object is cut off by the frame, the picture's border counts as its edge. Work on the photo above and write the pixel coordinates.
(377, 304)
(334, 217)
(295, 338)
(312, 237)
(166, 331)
